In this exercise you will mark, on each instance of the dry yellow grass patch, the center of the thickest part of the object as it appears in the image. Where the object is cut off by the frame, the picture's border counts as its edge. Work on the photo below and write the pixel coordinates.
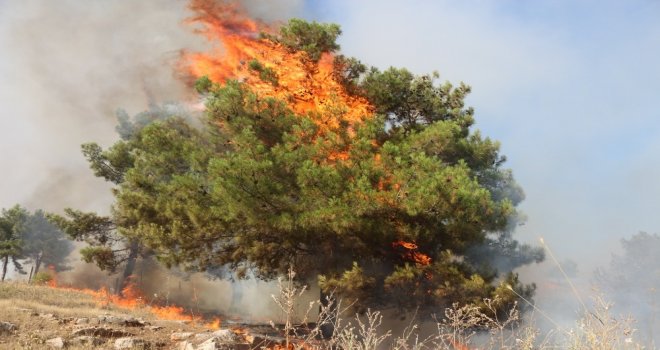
(43, 313)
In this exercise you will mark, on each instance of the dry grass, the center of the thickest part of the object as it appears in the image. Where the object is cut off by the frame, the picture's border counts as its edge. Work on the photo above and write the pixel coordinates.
(43, 313)
(460, 327)
(61, 301)
(470, 327)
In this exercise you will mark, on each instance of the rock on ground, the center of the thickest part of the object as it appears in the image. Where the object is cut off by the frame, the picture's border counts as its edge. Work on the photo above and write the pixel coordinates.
(57, 343)
(7, 327)
(87, 340)
(186, 345)
(131, 343)
(218, 344)
(181, 335)
(225, 335)
(82, 320)
(101, 332)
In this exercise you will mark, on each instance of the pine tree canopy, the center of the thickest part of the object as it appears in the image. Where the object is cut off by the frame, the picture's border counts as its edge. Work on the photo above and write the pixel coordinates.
(407, 205)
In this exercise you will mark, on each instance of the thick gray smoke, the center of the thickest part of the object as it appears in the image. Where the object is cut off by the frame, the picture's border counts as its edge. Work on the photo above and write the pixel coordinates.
(66, 67)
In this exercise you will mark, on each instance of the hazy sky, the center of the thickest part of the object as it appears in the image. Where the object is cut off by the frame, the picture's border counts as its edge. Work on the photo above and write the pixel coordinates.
(570, 88)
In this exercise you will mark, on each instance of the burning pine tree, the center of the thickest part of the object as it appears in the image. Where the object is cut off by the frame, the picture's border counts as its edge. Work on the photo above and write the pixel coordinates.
(372, 181)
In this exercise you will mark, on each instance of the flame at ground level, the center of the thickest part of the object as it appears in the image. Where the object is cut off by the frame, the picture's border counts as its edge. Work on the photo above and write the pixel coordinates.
(132, 298)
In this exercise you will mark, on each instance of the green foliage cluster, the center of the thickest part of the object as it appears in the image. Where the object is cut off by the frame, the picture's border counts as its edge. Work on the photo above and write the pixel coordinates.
(265, 73)
(12, 222)
(312, 37)
(108, 245)
(104, 245)
(255, 188)
(31, 237)
(45, 244)
(42, 277)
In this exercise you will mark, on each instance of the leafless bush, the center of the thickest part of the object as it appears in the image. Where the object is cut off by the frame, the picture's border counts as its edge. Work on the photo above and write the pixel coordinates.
(462, 327)
(599, 329)
(306, 334)
(364, 335)
(286, 300)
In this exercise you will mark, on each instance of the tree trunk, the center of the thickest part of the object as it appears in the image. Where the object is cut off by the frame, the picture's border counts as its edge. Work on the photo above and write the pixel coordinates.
(37, 263)
(130, 264)
(327, 315)
(5, 262)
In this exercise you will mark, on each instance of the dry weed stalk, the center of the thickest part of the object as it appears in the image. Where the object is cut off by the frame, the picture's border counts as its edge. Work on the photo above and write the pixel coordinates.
(306, 333)
(598, 329)
(410, 338)
(462, 324)
(363, 336)
(286, 301)
(460, 328)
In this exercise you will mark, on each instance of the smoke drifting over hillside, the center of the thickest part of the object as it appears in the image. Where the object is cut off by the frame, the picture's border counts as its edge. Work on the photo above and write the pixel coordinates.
(67, 67)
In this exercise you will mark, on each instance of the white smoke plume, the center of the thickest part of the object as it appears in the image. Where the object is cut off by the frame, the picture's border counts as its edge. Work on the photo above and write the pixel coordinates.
(66, 67)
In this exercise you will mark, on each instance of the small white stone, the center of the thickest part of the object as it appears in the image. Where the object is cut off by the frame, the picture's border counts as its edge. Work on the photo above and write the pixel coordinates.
(57, 343)
(181, 335)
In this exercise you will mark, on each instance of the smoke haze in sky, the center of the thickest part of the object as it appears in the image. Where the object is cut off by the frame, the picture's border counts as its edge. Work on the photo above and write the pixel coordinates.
(568, 87)
(66, 67)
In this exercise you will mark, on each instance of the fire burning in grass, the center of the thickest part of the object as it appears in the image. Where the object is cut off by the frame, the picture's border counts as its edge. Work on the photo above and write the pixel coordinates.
(132, 298)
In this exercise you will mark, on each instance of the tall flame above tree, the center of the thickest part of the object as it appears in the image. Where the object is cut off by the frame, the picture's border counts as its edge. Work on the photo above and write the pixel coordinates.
(295, 66)
(371, 181)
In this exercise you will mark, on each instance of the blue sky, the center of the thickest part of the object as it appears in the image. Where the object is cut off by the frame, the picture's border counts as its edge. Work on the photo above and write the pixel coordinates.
(570, 88)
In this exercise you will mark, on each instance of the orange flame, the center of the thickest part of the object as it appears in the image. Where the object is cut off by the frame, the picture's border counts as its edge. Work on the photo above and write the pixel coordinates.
(214, 324)
(53, 276)
(458, 345)
(132, 298)
(309, 88)
(412, 254)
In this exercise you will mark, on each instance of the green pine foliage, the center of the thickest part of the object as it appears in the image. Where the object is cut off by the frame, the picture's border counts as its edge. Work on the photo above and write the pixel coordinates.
(312, 37)
(12, 226)
(109, 243)
(32, 238)
(266, 74)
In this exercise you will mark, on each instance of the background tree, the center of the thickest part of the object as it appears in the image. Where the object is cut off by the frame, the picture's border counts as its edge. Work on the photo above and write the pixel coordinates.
(632, 282)
(12, 223)
(389, 211)
(44, 243)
